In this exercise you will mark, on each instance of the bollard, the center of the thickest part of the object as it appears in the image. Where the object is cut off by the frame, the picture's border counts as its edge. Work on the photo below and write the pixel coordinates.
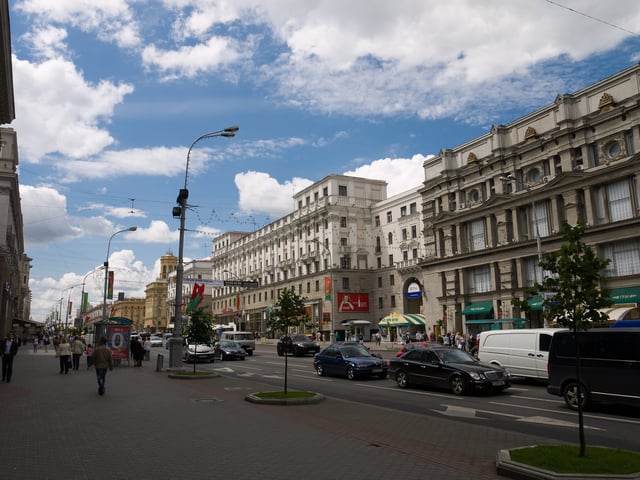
(159, 362)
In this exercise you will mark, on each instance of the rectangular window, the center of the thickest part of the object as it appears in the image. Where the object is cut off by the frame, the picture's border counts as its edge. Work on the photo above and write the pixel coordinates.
(532, 272)
(624, 256)
(405, 255)
(613, 202)
(474, 235)
(345, 262)
(325, 192)
(479, 279)
(389, 217)
(413, 208)
(377, 220)
(404, 234)
(403, 211)
(343, 241)
(628, 140)
(380, 303)
(392, 280)
(342, 190)
(414, 231)
(414, 253)
(393, 301)
(379, 282)
(343, 222)
(345, 283)
(391, 260)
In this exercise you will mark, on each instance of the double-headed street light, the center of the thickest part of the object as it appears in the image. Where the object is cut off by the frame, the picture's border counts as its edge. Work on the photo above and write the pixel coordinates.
(175, 352)
(106, 272)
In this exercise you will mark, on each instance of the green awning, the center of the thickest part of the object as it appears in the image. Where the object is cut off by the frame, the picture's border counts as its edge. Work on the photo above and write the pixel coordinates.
(535, 303)
(625, 295)
(402, 320)
(478, 308)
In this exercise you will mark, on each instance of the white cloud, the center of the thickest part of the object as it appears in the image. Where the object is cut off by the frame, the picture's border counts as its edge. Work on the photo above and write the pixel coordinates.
(157, 232)
(401, 174)
(44, 211)
(58, 111)
(261, 193)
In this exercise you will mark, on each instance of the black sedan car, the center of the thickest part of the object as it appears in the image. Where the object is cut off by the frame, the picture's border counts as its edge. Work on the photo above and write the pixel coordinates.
(229, 350)
(296, 345)
(352, 361)
(449, 368)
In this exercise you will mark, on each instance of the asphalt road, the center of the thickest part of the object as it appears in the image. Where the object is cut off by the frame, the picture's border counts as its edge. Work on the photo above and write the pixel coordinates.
(526, 407)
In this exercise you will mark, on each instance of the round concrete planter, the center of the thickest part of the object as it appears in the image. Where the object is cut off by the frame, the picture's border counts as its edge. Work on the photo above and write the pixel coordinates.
(184, 375)
(255, 398)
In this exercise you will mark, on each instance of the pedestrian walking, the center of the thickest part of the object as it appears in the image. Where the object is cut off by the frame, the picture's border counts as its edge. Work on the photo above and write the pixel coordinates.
(89, 354)
(8, 350)
(102, 359)
(137, 352)
(77, 349)
(35, 344)
(63, 352)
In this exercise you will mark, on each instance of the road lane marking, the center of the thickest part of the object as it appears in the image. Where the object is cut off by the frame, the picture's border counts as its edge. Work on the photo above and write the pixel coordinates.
(413, 392)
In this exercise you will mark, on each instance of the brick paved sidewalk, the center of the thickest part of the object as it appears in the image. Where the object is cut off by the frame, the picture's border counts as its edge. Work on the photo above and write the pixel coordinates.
(148, 426)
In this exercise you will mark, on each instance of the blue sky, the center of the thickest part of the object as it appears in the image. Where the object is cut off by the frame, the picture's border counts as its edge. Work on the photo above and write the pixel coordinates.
(109, 95)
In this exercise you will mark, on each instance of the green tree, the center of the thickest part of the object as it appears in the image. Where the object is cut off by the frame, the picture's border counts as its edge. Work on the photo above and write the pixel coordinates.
(572, 294)
(199, 330)
(289, 311)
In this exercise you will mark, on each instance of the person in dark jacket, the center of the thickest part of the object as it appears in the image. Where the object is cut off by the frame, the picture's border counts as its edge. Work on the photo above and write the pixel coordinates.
(101, 360)
(137, 352)
(8, 350)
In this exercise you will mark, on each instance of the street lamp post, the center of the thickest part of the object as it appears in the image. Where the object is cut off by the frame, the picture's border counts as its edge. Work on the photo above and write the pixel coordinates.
(106, 272)
(534, 216)
(332, 299)
(175, 352)
(84, 280)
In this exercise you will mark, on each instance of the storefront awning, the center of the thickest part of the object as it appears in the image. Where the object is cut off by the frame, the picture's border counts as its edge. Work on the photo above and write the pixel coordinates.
(497, 320)
(625, 295)
(624, 313)
(535, 303)
(402, 320)
(478, 308)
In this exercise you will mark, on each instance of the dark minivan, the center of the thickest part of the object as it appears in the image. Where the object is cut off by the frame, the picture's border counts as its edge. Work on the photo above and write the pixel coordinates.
(609, 366)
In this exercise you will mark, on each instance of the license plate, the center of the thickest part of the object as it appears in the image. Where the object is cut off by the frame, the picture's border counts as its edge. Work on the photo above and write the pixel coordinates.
(497, 383)
(376, 370)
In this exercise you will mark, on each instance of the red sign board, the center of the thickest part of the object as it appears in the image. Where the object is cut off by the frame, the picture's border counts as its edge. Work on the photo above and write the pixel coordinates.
(353, 302)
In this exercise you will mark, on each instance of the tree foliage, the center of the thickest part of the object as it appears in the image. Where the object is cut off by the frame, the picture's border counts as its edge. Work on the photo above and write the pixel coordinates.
(199, 330)
(289, 311)
(571, 292)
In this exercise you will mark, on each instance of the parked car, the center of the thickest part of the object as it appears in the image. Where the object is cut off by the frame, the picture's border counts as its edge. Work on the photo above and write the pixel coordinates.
(352, 361)
(296, 345)
(155, 341)
(229, 350)
(413, 346)
(448, 368)
(198, 353)
(609, 367)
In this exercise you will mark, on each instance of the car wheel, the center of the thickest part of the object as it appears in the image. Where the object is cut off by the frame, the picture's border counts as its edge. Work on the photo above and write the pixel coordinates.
(319, 370)
(571, 396)
(402, 379)
(351, 373)
(241, 358)
(457, 385)
(250, 352)
(280, 352)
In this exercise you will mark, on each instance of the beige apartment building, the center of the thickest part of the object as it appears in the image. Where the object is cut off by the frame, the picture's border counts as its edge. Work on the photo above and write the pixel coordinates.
(158, 310)
(493, 205)
(461, 246)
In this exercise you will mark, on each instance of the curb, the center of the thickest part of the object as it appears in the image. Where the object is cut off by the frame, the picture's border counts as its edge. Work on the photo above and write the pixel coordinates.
(203, 376)
(254, 398)
(509, 468)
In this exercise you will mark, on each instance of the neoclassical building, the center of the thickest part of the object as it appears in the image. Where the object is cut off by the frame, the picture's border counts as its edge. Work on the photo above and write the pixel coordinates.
(461, 246)
(493, 205)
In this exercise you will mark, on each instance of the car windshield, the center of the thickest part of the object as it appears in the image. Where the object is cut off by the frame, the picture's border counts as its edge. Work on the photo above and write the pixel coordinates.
(454, 355)
(243, 336)
(228, 343)
(354, 351)
(299, 338)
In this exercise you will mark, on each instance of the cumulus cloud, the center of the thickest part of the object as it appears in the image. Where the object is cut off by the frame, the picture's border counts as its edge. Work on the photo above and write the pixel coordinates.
(260, 193)
(401, 174)
(45, 216)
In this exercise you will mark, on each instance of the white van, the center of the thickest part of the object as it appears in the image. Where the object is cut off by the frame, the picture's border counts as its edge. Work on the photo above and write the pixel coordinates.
(523, 352)
(245, 339)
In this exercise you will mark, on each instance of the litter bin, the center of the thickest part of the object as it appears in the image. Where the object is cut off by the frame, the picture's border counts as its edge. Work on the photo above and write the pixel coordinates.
(159, 362)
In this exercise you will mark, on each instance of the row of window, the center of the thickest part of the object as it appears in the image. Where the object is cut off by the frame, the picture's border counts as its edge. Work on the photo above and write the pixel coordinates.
(413, 209)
